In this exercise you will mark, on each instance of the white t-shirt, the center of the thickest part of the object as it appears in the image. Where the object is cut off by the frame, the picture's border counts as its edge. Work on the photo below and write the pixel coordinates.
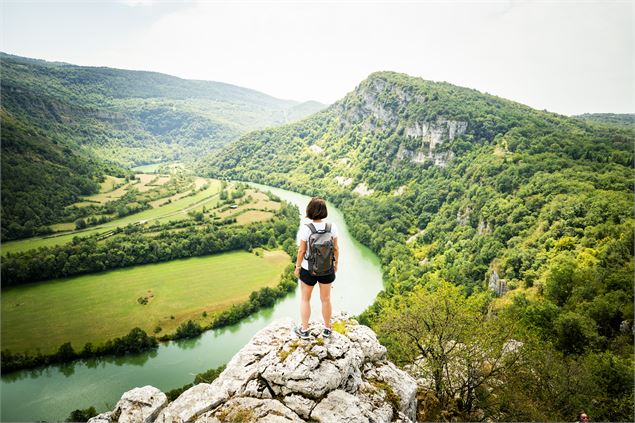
(304, 232)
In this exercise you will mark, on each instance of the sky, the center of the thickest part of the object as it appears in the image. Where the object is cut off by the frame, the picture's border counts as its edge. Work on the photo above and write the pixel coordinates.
(569, 57)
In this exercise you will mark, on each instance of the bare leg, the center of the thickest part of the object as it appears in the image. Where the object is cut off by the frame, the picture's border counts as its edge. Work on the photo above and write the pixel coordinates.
(325, 297)
(305, 304)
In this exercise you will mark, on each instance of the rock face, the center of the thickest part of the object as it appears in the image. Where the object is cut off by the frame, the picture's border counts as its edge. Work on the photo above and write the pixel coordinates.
(278, 377)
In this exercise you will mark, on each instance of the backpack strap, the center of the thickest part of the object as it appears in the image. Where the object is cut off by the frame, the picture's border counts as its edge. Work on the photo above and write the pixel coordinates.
(312, 228)
(327, 228)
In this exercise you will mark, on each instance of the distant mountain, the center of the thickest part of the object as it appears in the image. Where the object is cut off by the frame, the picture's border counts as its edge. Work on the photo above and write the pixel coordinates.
(446, 183)
(626, 120)
(63, 126)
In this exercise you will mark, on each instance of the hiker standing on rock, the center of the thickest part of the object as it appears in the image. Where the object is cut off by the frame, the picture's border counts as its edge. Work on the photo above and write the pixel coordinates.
(318, 255)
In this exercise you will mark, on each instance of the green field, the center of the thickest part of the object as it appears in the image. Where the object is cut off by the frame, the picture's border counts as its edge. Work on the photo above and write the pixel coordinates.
(174, 211)
(94, 308)
(150, 168)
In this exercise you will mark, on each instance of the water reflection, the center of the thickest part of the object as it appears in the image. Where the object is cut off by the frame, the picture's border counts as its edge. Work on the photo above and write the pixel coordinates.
(68, 369)
(188, 344)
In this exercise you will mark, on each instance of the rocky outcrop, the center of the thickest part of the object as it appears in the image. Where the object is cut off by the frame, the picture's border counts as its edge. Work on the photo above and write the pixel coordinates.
(278, 377)
(432, 135)
(363, 190)
(343, 181)
(496, 284)
(140, 405)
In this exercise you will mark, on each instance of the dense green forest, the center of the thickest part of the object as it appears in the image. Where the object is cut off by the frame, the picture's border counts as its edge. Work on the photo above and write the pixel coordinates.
(458, 192)
(65, 126)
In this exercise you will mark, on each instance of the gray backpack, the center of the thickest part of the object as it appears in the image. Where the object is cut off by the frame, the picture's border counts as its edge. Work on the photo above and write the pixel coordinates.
(320, 248)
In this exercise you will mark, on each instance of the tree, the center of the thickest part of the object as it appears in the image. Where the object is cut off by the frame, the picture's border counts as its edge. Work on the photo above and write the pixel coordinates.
(82, 415)
(453, 342)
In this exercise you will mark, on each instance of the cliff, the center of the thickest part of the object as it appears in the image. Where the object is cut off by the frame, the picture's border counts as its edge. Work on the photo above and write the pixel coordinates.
(277, 377)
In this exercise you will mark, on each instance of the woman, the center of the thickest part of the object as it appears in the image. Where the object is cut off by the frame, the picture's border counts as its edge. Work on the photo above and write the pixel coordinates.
(316, 212)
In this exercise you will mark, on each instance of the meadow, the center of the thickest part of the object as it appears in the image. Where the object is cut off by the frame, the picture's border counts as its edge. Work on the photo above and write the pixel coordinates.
(175, 210)
(97, 307)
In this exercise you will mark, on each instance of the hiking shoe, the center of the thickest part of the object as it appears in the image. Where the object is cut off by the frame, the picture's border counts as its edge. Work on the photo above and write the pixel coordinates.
(302, 334)
(327, 332)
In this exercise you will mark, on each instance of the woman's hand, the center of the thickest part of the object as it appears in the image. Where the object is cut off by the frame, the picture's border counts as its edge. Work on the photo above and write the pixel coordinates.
(297, 272)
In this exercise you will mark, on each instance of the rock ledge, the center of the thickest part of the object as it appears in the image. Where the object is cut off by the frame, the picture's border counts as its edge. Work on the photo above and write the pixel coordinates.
(277, 377)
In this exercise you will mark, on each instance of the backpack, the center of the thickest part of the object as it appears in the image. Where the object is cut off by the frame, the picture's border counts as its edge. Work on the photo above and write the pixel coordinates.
(320, 251)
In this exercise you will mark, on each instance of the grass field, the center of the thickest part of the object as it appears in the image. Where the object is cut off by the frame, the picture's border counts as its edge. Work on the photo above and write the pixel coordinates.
(173, 211)
(251, 216)
(94, 308)
(151, 168)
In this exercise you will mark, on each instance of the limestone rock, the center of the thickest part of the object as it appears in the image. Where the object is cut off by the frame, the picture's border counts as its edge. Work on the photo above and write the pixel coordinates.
(106, 417)
(245, 409)
(192, 403)
(141, 405)
(340, 407)
(300, 405)
(278, 377)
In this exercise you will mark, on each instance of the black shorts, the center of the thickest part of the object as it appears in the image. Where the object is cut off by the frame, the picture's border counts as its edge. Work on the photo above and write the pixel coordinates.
(311, 280)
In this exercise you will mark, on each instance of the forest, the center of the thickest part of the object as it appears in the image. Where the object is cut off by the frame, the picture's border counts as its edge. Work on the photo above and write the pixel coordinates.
(65, 126)
(539, 203)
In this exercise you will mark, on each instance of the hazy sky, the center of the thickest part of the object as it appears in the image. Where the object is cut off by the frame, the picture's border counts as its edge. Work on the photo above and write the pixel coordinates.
(567, 57)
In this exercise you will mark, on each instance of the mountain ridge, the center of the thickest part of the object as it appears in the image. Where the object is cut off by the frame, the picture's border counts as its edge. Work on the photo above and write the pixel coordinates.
(108, 120)
(527, 210)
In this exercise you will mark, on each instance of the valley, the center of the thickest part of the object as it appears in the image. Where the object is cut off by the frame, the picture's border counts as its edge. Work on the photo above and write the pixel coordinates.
(494, 223)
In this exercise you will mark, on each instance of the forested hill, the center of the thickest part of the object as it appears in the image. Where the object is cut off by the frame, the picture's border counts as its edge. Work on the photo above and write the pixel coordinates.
(449, 184)
(137, 117)
(65, 126)
(625, 120)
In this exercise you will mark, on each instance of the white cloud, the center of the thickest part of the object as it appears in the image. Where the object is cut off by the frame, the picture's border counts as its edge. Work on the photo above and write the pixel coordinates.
(135, 3)
(565, 57)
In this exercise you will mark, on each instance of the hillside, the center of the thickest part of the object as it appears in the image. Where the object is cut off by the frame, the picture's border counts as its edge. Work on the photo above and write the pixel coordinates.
(622, 120)
(79, 123)
(449, 184)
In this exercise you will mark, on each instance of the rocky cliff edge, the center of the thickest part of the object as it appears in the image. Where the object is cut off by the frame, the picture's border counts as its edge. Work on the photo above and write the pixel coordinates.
(277, 377)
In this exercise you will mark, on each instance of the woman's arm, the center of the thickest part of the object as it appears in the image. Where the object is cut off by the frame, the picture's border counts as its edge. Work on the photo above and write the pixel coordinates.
(336, 253)
(298, 260)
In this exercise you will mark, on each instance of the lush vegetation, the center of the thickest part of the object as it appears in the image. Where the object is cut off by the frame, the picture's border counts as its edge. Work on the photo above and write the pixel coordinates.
(89, 255)
(65, 126)
(189, 219)
(470, 189)
(138, 341)
(625, 120)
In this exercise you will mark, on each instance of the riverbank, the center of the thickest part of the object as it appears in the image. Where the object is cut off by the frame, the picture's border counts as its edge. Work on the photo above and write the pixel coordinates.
(51, 393)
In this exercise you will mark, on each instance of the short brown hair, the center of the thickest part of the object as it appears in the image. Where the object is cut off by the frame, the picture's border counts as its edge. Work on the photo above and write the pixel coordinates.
(316, 209)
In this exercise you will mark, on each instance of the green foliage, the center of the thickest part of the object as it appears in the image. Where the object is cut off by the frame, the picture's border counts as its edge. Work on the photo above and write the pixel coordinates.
(263, 298)
(543, 200)
(82, 415)
(65, 126)
(134, 342)
(188, 329)
(87, 255)
(452, 341)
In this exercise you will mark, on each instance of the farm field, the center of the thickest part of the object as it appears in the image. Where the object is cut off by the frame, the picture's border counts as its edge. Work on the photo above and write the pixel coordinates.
(97, 307)
(176, 210)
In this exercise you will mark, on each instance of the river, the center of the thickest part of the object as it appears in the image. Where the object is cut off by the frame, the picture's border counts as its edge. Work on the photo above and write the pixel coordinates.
(51, 393)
